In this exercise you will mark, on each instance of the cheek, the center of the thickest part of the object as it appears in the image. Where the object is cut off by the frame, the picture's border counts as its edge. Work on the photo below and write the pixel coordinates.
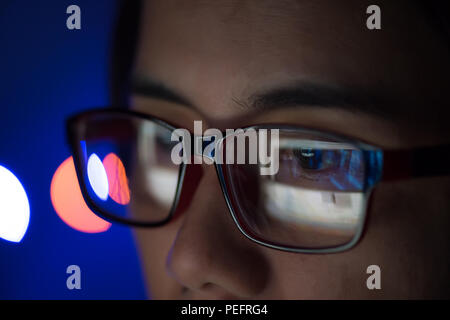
(407, 235)
(328, 276)
(410, 212)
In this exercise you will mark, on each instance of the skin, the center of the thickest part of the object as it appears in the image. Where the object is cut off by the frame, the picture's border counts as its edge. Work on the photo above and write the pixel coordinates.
(218, 54)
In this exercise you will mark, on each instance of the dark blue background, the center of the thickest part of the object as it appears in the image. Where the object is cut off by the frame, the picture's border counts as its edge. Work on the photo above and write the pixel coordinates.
(47, 73)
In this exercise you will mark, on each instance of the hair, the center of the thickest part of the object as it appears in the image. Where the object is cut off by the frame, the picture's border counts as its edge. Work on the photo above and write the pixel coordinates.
(124, 45)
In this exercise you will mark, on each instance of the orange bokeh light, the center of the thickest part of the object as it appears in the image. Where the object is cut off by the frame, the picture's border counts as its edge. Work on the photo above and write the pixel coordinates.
(68, 201)
(117, 179)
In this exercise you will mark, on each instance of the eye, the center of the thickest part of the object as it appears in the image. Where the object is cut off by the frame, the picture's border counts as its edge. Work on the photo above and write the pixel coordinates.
(309, 158)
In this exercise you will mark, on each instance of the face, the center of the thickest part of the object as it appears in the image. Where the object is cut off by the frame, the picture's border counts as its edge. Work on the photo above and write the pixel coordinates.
(220, 57)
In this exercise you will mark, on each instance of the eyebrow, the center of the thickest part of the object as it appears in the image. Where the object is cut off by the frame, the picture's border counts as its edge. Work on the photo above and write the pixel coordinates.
(299, 94)
(316, 94)
(145, 86)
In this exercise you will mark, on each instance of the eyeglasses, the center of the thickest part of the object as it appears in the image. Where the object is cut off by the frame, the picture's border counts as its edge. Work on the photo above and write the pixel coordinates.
(315, 203)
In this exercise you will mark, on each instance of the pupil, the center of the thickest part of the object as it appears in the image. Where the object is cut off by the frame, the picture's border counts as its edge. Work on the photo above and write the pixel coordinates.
(309, 158)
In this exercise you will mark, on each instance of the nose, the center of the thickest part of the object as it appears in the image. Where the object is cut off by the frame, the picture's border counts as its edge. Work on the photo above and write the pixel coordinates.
(209, 256)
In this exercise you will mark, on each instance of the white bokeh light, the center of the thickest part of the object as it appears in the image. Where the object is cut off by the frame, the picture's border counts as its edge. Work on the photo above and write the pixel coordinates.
(14, 207)
(97, 177)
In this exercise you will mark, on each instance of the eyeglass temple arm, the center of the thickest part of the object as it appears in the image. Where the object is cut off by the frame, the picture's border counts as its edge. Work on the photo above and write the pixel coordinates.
(420, 162)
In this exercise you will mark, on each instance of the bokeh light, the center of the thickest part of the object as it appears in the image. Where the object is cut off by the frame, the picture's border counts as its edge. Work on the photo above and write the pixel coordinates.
(68, 201)
(117, 179)
(14, 207)
(97, 177)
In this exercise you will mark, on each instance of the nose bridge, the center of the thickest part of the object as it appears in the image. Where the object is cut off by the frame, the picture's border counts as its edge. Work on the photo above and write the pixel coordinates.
(209, 249)
(205, 147)
(206, 201)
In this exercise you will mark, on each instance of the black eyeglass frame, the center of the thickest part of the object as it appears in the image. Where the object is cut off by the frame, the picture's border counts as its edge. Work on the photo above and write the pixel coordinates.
(397, 164)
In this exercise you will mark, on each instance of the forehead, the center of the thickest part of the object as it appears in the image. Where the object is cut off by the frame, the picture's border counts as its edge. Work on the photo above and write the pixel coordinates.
(220, 53)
